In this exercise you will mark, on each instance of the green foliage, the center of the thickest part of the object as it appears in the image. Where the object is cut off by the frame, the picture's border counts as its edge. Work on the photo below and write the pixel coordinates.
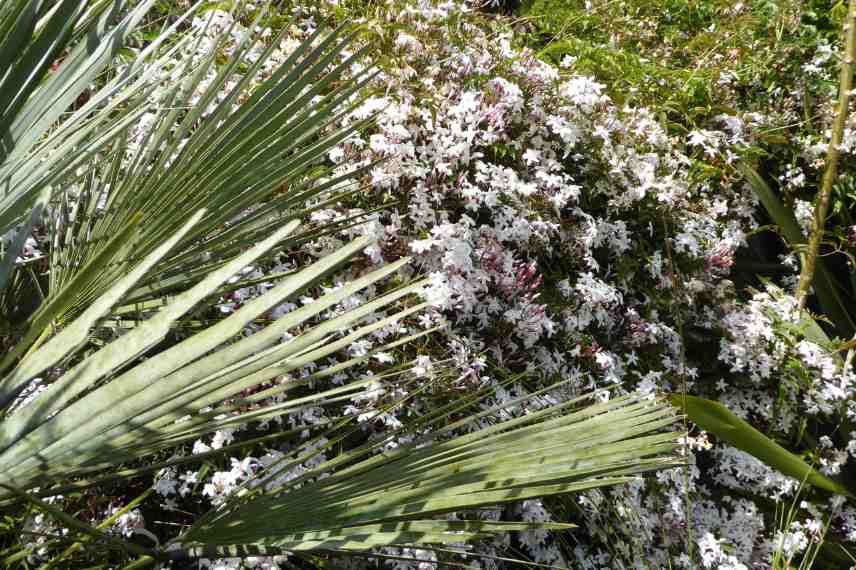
(646, 53)
(673, 55)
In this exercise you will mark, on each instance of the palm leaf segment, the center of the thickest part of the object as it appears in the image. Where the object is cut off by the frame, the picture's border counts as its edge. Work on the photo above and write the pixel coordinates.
(250, 159)
(37, 90)
(50, 54)
(385, 499)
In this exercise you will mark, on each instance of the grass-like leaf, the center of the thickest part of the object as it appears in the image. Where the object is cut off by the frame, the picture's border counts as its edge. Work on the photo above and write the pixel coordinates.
(718, 420)
(827, 292)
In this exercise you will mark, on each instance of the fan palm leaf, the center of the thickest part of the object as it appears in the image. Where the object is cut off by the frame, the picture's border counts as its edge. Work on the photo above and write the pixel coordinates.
(383, 499)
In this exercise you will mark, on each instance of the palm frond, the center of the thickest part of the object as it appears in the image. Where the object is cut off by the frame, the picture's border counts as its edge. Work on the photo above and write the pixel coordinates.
(197, 155)
(34, 153)
(86, 418)
(384, 499)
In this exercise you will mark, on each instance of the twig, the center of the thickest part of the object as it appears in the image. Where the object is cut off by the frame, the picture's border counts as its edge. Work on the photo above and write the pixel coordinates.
(103, 526)
(832, 156)
(79, 526)
(683, 377)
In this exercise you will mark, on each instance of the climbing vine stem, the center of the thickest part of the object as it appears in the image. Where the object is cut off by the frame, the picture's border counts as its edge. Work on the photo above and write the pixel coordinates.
(832, 157)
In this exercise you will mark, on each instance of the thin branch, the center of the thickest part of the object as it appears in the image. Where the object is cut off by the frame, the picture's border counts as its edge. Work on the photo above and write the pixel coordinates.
(832, 157)
(79, 526)
(103, 526)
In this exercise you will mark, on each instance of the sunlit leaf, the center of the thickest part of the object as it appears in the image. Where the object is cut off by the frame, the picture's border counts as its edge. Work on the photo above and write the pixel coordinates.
(717, 419)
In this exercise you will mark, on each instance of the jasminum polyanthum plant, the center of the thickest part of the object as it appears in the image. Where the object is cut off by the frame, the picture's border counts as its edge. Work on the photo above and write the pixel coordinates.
(569, 235)
(533, 170)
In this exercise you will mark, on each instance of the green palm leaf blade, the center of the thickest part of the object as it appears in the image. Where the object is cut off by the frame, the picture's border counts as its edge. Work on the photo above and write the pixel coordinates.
(213, 378)
(208, 392)
(75, 334)
(14, 249)
(279, 129)
(17, 20)
(720, 421)
(34, 98)
(394, 492)
(40, 321)
(107, 423)
(111, 358)
(29, 58)
(104, 37)
(386, 534)
(207, 422)
(151, 413)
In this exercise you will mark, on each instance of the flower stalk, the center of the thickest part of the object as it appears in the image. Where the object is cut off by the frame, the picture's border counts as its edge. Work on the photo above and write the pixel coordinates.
(832, 157)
